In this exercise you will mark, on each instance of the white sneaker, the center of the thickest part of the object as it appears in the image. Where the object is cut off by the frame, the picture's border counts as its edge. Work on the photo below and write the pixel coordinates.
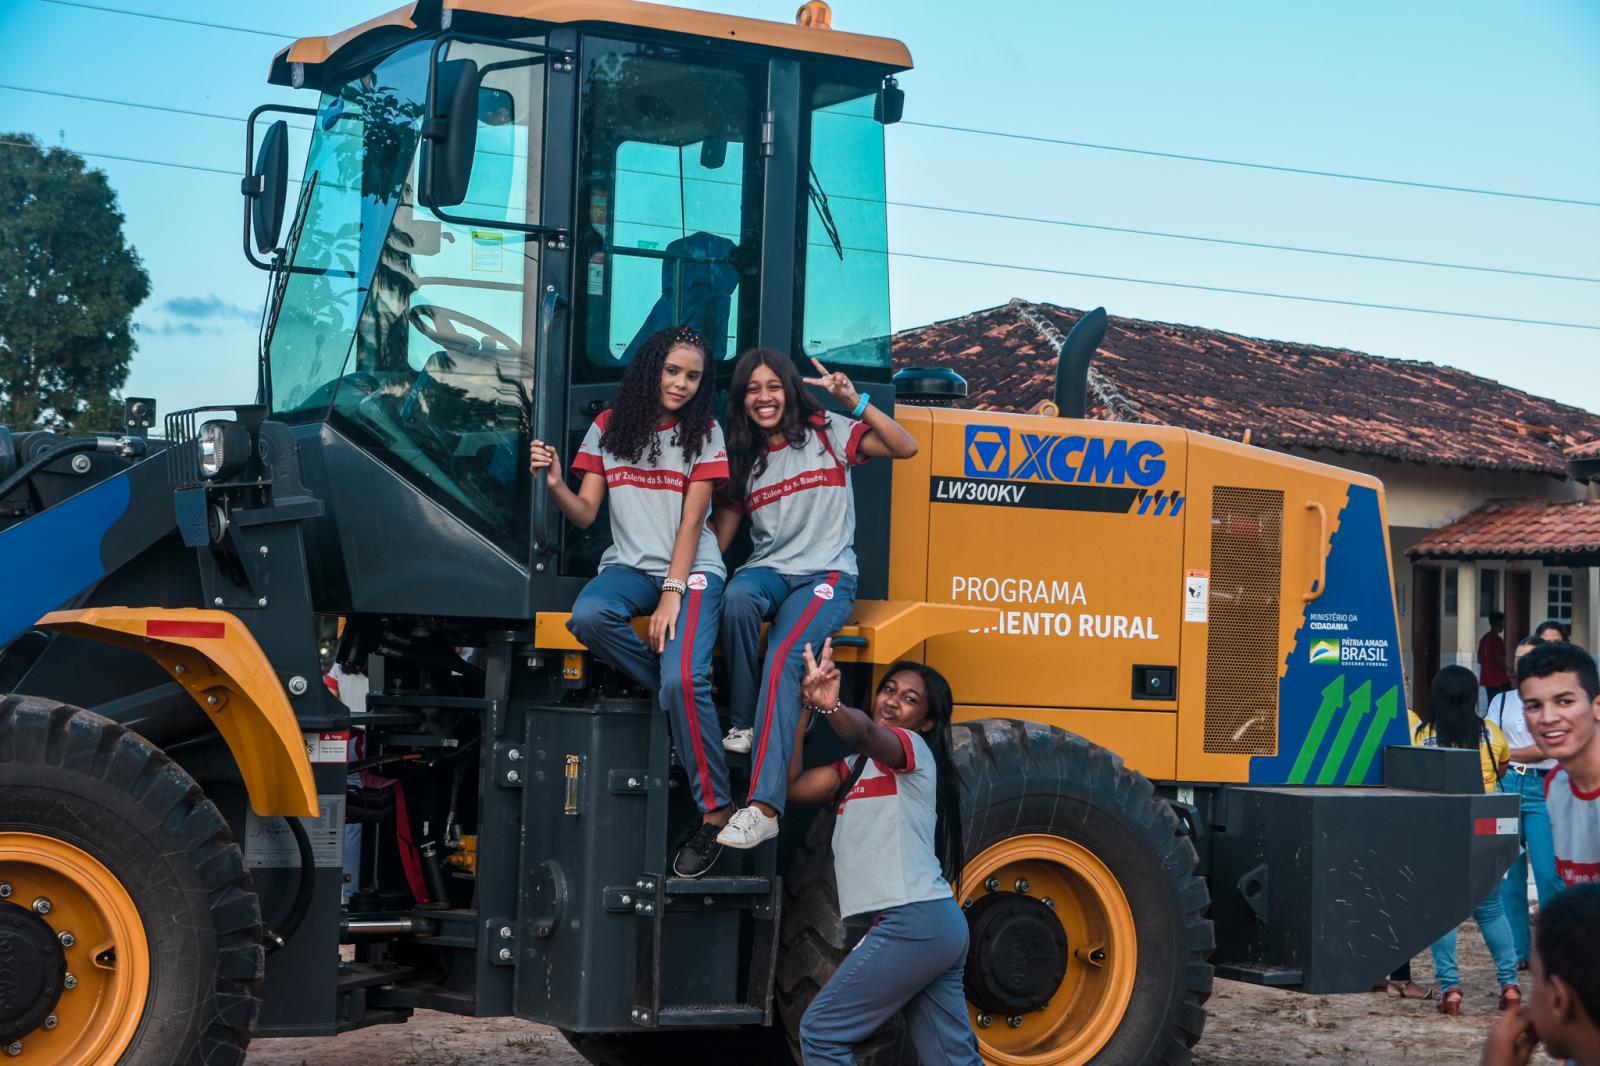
(738, 740)
(747, 828)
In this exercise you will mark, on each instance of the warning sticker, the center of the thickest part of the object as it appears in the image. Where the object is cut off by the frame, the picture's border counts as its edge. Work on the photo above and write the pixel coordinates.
(1489, 827)
(488, 251)
(330, 745)
(1196, 595)
(269, 843)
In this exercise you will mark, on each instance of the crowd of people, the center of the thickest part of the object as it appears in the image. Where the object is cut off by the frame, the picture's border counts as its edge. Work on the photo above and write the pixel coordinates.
(1539, 739)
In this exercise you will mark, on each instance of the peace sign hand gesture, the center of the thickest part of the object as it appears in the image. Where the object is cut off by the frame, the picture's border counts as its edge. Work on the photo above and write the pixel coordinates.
(820, 682)
(835, 384)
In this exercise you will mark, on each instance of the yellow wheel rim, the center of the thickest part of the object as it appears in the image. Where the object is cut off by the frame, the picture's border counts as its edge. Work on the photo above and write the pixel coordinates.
(1102, 950)
(109, 957)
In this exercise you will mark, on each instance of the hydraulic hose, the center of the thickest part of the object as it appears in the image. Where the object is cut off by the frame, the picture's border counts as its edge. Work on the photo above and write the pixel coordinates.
(127, 446)
(298, 908)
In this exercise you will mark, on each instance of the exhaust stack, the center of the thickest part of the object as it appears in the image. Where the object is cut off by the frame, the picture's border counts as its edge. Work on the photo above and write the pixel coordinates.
(1072, 368)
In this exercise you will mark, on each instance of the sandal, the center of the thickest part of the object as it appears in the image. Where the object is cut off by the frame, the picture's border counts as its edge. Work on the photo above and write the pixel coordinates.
(1409, 990)
(1450, 1002)
(1510, 997)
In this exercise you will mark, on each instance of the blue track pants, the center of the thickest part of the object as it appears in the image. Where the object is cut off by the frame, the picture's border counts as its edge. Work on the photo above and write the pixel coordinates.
(804, 609)
(603, 617)
(1539, 850)
(912, 958)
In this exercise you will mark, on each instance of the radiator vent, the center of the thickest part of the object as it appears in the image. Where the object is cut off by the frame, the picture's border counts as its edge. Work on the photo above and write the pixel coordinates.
(1242, 643)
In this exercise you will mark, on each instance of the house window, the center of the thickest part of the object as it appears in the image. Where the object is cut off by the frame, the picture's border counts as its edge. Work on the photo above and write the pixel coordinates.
(1558, 603)
(1488, 589)
(1451, 595)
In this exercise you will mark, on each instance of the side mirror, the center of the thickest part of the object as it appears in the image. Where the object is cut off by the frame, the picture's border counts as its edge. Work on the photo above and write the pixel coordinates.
(450, 133)
(267, 186)
(713, 153)
(890, 105)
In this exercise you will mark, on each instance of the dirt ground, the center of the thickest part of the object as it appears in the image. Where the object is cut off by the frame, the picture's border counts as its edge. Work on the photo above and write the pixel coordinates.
(1248, 1026)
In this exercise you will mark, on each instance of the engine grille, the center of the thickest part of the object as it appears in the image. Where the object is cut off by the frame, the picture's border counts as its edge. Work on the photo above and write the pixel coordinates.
(1242, 642)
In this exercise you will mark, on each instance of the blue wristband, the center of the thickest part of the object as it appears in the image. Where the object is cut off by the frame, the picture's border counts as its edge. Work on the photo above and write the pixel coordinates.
(861, 408)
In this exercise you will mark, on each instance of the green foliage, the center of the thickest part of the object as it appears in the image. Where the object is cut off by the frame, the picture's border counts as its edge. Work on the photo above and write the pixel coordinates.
(69, 284)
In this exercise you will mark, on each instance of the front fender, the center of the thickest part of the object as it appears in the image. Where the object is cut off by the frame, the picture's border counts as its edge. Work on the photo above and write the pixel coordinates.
(215, 659)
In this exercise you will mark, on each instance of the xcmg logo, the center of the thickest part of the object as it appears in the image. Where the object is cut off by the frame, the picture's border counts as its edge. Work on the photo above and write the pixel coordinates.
(993, 452)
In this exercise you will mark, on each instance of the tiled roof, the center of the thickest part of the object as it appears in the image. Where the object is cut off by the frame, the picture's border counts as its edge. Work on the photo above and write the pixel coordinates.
(1517, 529)
(1285, 394)
(1590, 450)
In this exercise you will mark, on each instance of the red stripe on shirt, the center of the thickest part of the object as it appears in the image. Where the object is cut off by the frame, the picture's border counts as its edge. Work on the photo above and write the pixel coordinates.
(868, 787)
(904, 737)
(710, 470)
(777, 667)
(635, 477)
(832, 477)
(1577, 873)
(852, 446)
(588, 463)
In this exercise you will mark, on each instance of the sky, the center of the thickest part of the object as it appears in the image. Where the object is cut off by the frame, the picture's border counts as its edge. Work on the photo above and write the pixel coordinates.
(1445, 92)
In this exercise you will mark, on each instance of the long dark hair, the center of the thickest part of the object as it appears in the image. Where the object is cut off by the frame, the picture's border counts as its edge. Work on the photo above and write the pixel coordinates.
(747, 442)
(637, 406)
(947, 842)
(1453, 708)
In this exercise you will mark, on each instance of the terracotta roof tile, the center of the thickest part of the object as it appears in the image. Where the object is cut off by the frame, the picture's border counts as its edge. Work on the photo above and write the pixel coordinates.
(1286, 394)
(1517, 528)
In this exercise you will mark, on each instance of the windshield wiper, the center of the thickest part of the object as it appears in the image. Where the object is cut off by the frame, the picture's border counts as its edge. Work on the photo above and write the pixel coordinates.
(819, 200)
(282, 266)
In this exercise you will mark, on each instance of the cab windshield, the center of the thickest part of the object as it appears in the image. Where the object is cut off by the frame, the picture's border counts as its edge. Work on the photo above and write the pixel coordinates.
(403, 330)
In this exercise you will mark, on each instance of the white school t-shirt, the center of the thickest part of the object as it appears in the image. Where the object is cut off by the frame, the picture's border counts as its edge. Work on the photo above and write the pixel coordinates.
(801, 510)
(647, 498)
(883, 834)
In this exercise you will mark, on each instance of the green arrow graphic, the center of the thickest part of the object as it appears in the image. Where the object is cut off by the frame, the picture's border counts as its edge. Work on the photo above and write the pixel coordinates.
(1332, 700)
(1360, 707)
(1388, 708)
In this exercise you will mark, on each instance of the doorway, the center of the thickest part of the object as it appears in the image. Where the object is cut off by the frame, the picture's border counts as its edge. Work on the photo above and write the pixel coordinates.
(1426, 609)
(1519, 599)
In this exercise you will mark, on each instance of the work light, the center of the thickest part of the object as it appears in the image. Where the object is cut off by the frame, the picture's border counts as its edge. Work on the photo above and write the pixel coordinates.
(224, 449)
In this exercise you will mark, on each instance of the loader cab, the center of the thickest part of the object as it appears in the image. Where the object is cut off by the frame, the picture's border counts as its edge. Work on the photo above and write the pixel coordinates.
(623, 176)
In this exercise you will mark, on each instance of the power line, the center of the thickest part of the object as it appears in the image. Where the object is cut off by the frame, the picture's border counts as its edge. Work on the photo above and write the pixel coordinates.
(172, 18)
(1055, 271)
(1274, 167)
(947, 209)
(1237, 292)
(1036, 138)
(125, 158)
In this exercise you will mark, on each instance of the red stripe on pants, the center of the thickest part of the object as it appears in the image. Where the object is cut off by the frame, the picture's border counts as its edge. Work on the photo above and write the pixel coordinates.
(777, 668)
(708, 794)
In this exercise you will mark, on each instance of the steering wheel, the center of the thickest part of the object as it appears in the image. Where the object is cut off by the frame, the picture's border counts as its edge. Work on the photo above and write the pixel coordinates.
(438, 324)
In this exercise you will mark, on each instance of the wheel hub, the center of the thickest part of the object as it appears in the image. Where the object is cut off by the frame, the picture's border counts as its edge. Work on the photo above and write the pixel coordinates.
(32, 969)
(1018, 954)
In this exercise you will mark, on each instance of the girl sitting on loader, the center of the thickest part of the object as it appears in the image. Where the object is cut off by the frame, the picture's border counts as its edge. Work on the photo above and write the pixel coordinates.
(660, 454)
(789, 474)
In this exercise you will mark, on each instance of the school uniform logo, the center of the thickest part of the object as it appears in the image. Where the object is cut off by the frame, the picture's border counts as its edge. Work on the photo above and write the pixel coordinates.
(696, 581)
(823, 591)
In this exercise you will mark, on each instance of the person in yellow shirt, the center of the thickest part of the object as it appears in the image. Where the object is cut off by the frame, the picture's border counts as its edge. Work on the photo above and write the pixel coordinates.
(1453, 722)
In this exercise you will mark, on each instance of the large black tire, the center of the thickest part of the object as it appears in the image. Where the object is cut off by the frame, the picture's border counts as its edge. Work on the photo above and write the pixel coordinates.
(715, 1047)
(73, 775)
(1027, 778)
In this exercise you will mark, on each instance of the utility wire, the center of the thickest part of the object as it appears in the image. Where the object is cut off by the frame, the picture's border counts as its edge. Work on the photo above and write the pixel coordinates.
(173, 18)
(1056, 271)
(1036, 138)
(1274, 167)
(946, 209)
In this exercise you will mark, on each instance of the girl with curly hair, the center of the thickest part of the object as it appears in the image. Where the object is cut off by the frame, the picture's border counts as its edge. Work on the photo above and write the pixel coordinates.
(790, 475)
(659, 454)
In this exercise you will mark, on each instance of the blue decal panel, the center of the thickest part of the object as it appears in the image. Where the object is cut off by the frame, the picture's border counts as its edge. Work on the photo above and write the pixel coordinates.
(1342, 699)
(53, 556)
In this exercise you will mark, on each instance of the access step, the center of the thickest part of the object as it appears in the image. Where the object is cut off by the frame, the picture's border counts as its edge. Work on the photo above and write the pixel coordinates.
(703, 1014)
(718, 886)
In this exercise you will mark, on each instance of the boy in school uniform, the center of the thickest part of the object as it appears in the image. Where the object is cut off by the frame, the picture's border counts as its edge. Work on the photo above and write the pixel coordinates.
(1560, 693)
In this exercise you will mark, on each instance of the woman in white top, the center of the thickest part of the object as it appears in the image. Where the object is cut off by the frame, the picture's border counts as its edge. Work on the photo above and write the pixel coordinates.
(896, 852)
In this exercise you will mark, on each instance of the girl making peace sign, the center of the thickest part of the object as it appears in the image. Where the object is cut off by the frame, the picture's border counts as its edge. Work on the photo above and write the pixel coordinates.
(789, 473)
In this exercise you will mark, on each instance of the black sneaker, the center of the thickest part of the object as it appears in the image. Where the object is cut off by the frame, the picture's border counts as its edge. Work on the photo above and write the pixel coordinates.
(699, 853)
